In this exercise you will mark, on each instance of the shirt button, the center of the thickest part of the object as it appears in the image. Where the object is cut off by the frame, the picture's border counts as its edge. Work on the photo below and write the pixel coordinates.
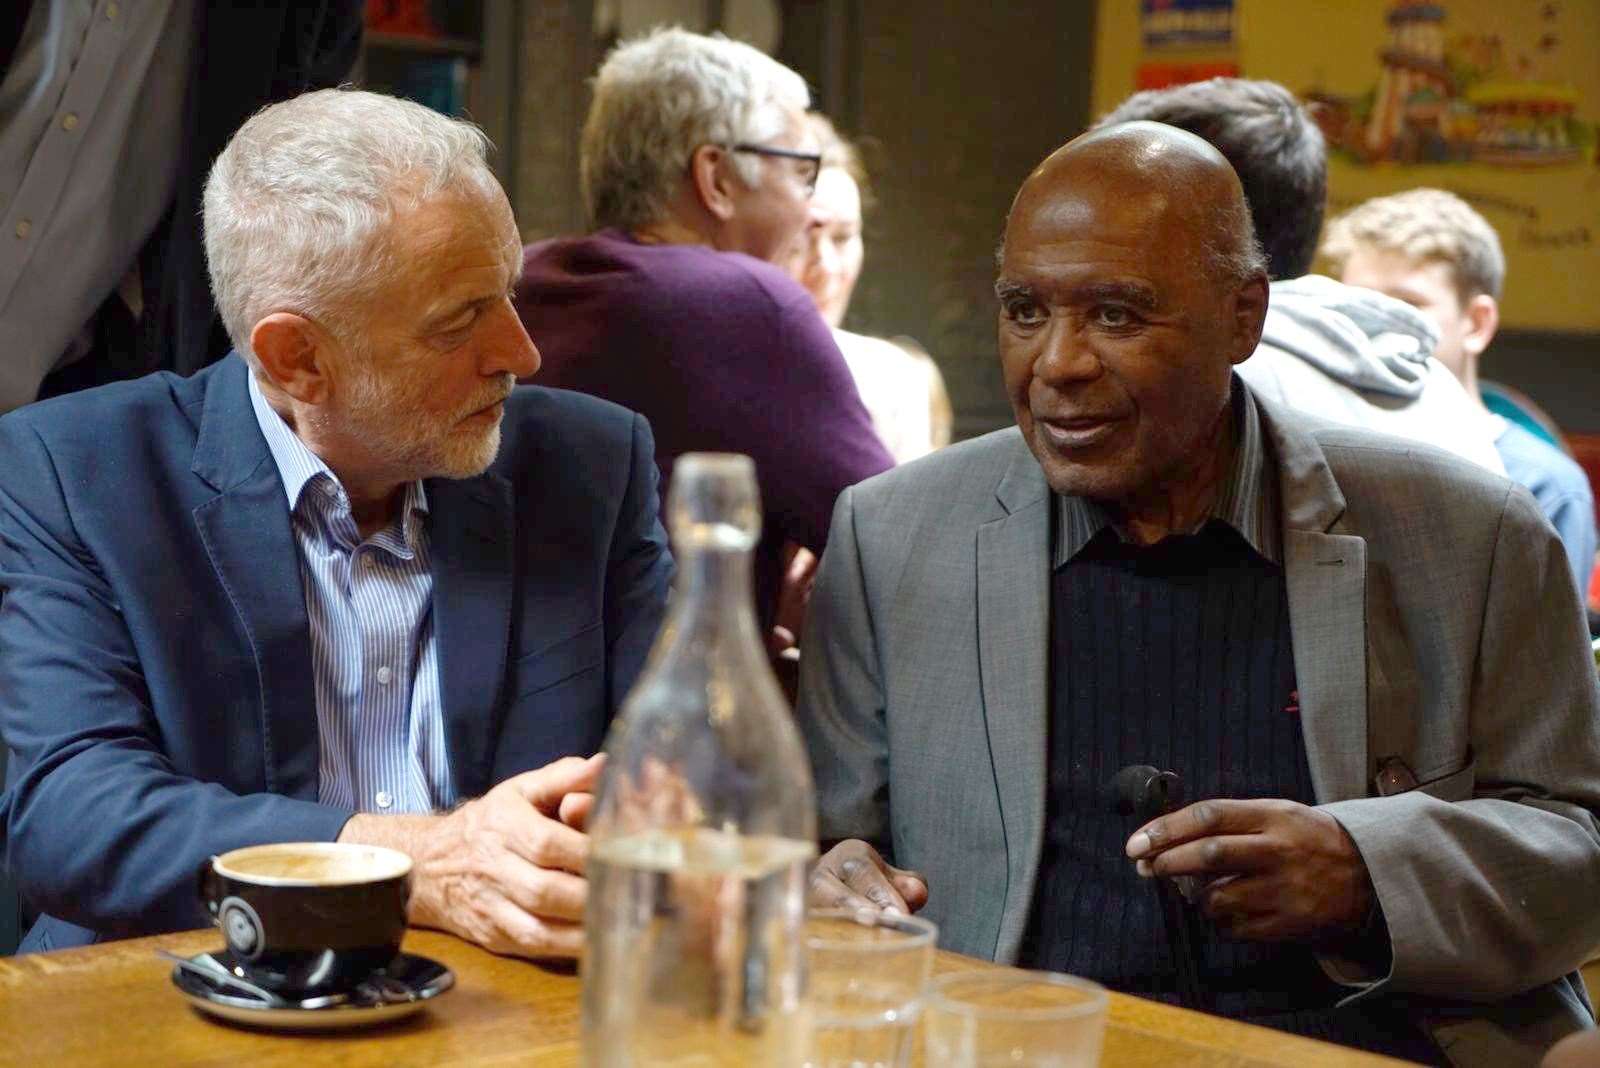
(384, 675)
(384, 799)
(369, 561)
(24, 228)
(69, 121)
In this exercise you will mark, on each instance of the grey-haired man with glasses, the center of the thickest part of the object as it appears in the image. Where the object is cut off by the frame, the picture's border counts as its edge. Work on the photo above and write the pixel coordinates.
(697, 167)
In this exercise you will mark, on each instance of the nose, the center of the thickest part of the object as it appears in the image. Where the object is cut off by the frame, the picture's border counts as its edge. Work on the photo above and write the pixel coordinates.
(1065, 356)
(507, 346)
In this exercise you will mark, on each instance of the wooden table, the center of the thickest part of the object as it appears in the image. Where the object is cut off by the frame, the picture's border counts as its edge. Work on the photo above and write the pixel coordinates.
(113, 1004)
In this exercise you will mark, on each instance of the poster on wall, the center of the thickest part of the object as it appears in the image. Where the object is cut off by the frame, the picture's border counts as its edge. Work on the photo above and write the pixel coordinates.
(1495, 100)
(1185, 41)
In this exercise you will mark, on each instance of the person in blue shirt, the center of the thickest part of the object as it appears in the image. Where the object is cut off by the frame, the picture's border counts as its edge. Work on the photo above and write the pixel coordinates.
(1430, 249)
(347, 583)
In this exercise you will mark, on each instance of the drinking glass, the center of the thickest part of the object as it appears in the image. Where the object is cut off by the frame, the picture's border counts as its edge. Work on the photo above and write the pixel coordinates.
(1014, 1019)
(868, 971)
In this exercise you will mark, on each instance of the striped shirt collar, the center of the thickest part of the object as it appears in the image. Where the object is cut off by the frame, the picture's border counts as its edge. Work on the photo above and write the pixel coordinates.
(1247, 500)
(300, 468)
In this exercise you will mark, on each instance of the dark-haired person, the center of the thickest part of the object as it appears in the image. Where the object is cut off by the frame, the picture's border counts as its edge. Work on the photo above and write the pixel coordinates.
(1346, 354)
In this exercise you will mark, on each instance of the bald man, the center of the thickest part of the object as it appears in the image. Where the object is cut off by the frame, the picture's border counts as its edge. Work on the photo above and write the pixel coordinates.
(1360, 654)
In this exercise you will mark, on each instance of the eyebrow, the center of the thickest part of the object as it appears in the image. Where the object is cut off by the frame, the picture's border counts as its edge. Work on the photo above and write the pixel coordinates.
(455, 309)
(1007, 290)
(1132, 294)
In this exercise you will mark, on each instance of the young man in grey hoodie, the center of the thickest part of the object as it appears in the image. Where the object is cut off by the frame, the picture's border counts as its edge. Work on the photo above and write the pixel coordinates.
(1346, 354)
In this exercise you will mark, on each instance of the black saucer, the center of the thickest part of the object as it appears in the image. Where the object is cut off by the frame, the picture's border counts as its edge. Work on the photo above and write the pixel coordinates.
(389, 994)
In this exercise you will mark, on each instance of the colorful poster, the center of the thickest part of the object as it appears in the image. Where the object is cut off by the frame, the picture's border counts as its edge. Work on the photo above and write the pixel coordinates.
(1184, 24)
(1495, 100)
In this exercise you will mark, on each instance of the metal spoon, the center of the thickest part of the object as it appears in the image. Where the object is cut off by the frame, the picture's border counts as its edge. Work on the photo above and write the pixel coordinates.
(377, 989)
(215, 972)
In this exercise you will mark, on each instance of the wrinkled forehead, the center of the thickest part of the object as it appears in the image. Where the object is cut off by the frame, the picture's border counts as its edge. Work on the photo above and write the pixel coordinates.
(1062, 217)
(468, 224)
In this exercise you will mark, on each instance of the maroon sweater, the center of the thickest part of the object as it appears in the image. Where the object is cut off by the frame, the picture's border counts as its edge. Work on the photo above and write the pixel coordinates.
(722, 353)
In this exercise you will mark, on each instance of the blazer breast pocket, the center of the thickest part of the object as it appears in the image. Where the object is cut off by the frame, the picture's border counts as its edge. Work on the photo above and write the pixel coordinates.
(1456, 786)
(559, 662)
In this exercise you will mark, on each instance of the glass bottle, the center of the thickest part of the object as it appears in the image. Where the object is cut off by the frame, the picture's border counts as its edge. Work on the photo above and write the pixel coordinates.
(704, 823)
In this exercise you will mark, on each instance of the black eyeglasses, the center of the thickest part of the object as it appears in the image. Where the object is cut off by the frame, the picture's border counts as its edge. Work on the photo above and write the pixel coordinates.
(812, 160)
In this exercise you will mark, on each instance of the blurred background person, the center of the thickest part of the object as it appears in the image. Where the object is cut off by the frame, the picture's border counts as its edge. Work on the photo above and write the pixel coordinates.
(1346, 354)
(1430, 249)
(697, 166)
(899, 382)
(110, 116)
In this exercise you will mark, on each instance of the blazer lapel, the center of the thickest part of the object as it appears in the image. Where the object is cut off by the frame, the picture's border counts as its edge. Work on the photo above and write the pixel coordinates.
(1326, 574)
(245, 529)
(470, 524)
(1013, 638)
(1327, 577)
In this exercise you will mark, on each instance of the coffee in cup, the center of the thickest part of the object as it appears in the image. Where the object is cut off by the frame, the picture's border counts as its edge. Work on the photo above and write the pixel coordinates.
(308, 918)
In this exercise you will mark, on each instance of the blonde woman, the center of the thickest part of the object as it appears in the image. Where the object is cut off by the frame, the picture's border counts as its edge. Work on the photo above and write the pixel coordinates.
(899, 383)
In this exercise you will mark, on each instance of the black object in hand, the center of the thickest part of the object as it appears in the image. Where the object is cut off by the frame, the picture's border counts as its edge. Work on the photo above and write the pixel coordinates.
(1145, 792)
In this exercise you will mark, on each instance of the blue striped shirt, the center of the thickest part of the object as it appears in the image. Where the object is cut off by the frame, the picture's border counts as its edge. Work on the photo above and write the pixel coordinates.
(380, 716)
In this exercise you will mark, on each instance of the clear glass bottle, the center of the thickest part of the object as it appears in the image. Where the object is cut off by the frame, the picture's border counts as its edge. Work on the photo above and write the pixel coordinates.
(705, 819)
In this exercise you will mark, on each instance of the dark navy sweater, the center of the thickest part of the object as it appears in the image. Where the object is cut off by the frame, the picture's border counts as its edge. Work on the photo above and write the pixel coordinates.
(1176, 655)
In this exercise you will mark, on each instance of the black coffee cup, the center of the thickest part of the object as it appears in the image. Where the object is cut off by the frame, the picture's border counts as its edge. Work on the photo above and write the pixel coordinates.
(309, 918)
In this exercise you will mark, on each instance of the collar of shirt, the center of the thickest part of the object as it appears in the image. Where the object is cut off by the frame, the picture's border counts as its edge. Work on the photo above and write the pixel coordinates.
(1247, 500)
(310, 482)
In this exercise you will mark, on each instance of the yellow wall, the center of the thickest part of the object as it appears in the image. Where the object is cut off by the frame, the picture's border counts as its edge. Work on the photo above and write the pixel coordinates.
(1548, 216)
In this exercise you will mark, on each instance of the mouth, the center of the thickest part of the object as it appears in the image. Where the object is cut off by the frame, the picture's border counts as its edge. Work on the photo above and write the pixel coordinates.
(1078, 432)
(488, 413)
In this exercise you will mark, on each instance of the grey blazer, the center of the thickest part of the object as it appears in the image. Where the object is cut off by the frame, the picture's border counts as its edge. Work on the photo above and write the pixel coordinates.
(1434, 619)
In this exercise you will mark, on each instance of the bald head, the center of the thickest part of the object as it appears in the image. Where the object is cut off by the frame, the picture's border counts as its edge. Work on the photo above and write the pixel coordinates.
(1156, 173)
(1130, 285)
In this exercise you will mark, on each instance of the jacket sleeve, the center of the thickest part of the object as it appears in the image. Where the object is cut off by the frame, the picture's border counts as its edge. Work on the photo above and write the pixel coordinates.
(1483, 887)
(96, 826)
(640, 570)
(841, 701)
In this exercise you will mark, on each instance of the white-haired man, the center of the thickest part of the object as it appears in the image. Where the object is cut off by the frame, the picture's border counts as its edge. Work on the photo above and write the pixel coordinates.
(697, 166)
(1428, 248)
(337, 584)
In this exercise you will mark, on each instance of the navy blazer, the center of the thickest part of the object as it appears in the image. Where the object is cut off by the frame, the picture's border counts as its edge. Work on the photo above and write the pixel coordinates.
(155, 661)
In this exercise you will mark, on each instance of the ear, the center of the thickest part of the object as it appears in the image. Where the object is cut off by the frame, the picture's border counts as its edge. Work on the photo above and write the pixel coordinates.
(713, 183)
(1483, 319)
(1249, 315)
(293, 352)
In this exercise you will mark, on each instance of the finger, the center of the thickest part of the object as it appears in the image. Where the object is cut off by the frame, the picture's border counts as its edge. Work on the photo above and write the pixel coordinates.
(1230, 854)
(549, 895)
(520, 934)
(867, 875)
(911, 886)
(1199, 820)
(575, 809)
(828, 891)
(1236, 895)
(1243, 904)
(545, 787)
(779, 638)
(803, 568)
(548, 843)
